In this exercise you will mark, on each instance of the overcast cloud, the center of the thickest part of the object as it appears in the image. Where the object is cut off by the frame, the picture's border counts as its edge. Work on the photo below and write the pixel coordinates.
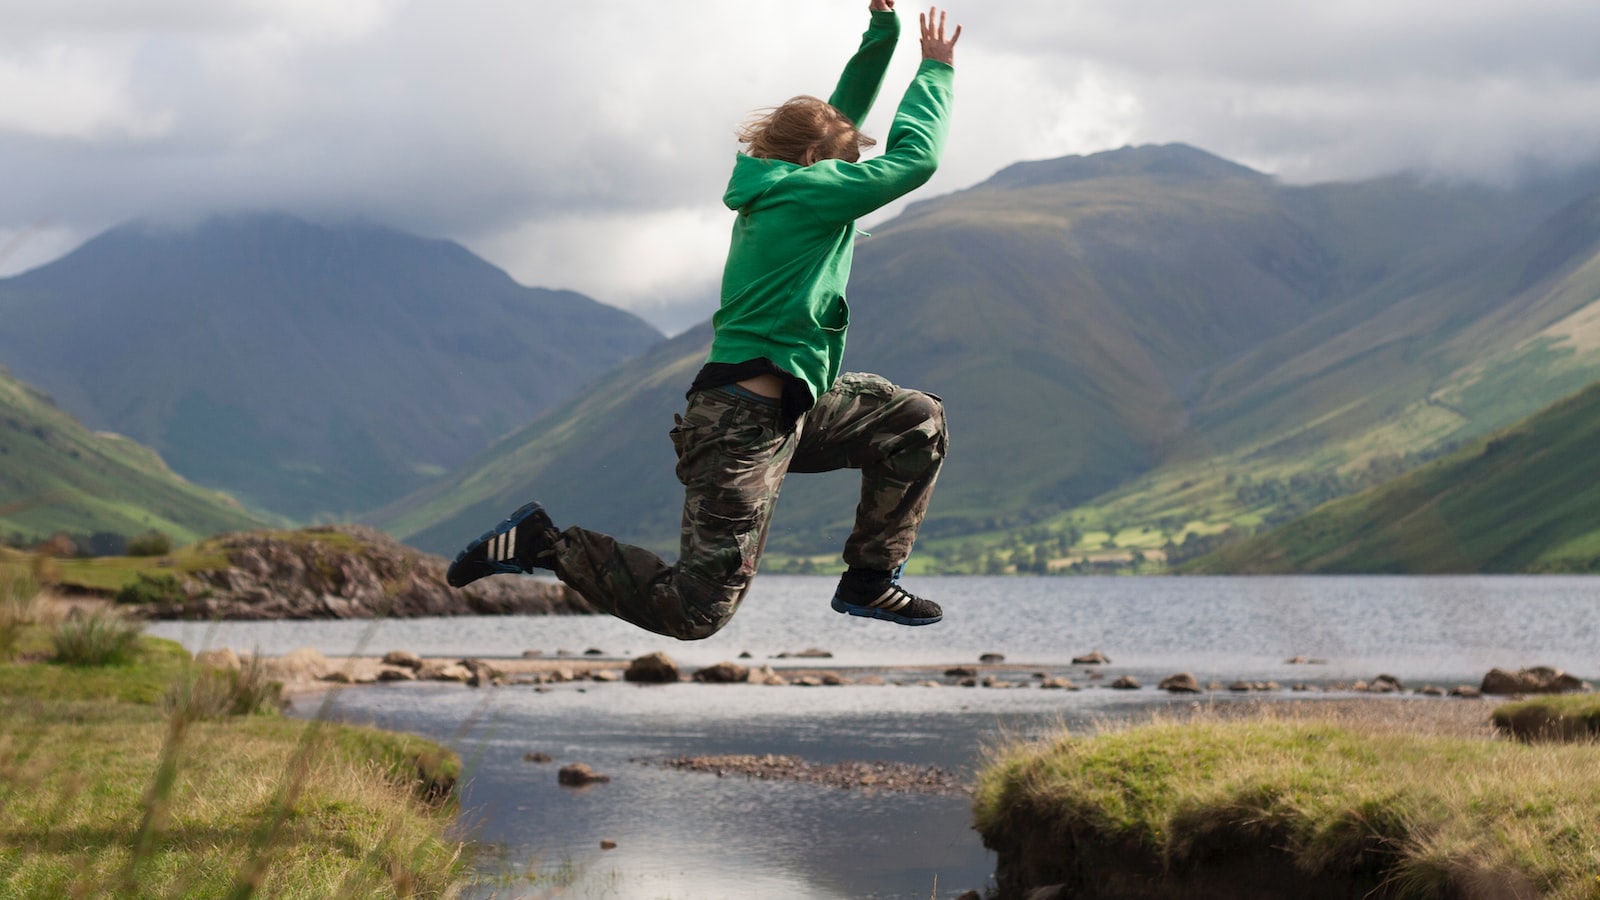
(585, 145)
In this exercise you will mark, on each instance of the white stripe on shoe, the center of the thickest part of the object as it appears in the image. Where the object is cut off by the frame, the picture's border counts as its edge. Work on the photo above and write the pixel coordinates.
(891, 600)
(503, 546)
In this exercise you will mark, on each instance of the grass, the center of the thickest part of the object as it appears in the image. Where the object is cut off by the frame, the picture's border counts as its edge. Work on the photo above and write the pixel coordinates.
(1330, 802)
(19, 608)
(1562, 717)
(140, 778)
(103, 638)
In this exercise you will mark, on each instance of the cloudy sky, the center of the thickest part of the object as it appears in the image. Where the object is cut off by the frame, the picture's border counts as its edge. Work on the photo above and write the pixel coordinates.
(585, 145)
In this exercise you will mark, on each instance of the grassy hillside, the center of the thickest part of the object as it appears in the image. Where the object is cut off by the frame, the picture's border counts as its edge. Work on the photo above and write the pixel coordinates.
(1133, 347)
(56, 475)
(1362, 392)
(1526, 499)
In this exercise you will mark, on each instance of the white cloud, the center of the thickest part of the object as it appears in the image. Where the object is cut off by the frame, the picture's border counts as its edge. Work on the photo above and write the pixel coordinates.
(73, 93)
(519, 127)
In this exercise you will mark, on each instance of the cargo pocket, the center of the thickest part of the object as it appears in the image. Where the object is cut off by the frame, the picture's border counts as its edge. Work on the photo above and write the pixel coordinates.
(724, 540)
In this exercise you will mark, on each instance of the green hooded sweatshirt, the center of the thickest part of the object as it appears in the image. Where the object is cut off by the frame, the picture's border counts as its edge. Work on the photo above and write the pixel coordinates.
(784, 283)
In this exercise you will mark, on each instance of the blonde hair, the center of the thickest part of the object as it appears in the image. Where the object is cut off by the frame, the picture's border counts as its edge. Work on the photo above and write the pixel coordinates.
(803, 130)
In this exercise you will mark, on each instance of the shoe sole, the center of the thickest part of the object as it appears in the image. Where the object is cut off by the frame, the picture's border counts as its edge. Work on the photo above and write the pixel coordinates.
(522, 514)
(868, 612)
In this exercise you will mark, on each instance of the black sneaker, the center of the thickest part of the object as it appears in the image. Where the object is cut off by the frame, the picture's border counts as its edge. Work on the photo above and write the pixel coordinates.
(523, 542)
(884, 599)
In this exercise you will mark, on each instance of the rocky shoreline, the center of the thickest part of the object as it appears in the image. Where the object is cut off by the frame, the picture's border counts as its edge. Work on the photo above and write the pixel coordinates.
(328, 572)
(307, 669)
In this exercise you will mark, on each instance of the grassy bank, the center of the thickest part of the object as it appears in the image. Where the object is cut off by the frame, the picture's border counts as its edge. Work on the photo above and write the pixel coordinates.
(1562, 717)
(125, 780)
(1300, 806)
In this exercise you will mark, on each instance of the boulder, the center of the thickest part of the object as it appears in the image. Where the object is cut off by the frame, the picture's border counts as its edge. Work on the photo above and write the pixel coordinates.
(723, 673)
(1466, 692)
(580, 775)
(766, 675)
(809, 653)
(960, 672)
(453, 672)
(1058, 684)
(652, 668)
(481, 673)
(1181, 683)
(221, 658)
(396, 673)
(1535, 680)
(1092, 659)
(1126, 683)
(992, 658)
(302, 664)
(1386, 684)
(402, 659)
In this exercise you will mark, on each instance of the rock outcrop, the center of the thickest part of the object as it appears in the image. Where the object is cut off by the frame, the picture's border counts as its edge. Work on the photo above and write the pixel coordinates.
(338, 572)
(1535, 680)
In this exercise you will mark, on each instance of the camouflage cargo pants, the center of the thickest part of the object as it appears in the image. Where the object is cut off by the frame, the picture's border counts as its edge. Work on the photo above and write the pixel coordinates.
(733, 455)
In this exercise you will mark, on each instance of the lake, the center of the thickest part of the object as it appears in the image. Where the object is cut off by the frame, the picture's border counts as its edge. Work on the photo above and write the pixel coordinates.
(692, 835)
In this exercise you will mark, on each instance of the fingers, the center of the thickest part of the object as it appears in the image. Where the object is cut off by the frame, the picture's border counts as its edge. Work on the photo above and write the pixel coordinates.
(933, 25)
(934, 43)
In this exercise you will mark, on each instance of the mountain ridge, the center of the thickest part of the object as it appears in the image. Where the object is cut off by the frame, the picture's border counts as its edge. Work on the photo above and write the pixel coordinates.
(312, 370)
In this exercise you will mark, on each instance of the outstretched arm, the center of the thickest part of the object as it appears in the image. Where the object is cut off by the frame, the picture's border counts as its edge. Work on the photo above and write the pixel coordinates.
(916, 139)
(863, 75)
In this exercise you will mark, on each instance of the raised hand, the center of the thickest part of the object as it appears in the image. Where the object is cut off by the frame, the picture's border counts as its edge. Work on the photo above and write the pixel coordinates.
(934, 44)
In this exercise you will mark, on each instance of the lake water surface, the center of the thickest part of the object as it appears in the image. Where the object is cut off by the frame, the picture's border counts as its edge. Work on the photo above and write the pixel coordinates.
(689, 835)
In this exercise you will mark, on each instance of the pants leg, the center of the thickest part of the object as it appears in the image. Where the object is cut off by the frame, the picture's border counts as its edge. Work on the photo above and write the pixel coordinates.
(732, 458)
(898, 439)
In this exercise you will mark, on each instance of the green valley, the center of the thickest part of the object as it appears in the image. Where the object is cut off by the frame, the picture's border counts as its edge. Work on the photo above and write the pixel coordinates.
(58, 476)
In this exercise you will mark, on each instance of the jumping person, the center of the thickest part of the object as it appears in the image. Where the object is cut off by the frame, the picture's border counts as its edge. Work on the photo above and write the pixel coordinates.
(770, 398)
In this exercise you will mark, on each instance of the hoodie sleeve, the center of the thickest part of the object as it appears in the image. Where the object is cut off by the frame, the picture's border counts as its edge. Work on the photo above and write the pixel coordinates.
(837, 191)
(863, 74)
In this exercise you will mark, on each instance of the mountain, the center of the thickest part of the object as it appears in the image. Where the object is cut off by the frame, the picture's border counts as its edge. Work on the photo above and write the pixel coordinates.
(57, 476)
(1090, 322)
(1525, 499)
(313, 371)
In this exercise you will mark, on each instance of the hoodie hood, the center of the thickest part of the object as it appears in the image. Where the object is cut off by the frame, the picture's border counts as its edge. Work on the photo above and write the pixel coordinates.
(753, 177)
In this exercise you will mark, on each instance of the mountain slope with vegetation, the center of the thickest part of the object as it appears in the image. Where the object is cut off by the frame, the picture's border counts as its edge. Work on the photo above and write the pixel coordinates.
(312, 371)
(58, 476)
(1124, 342)
(1526, 499)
